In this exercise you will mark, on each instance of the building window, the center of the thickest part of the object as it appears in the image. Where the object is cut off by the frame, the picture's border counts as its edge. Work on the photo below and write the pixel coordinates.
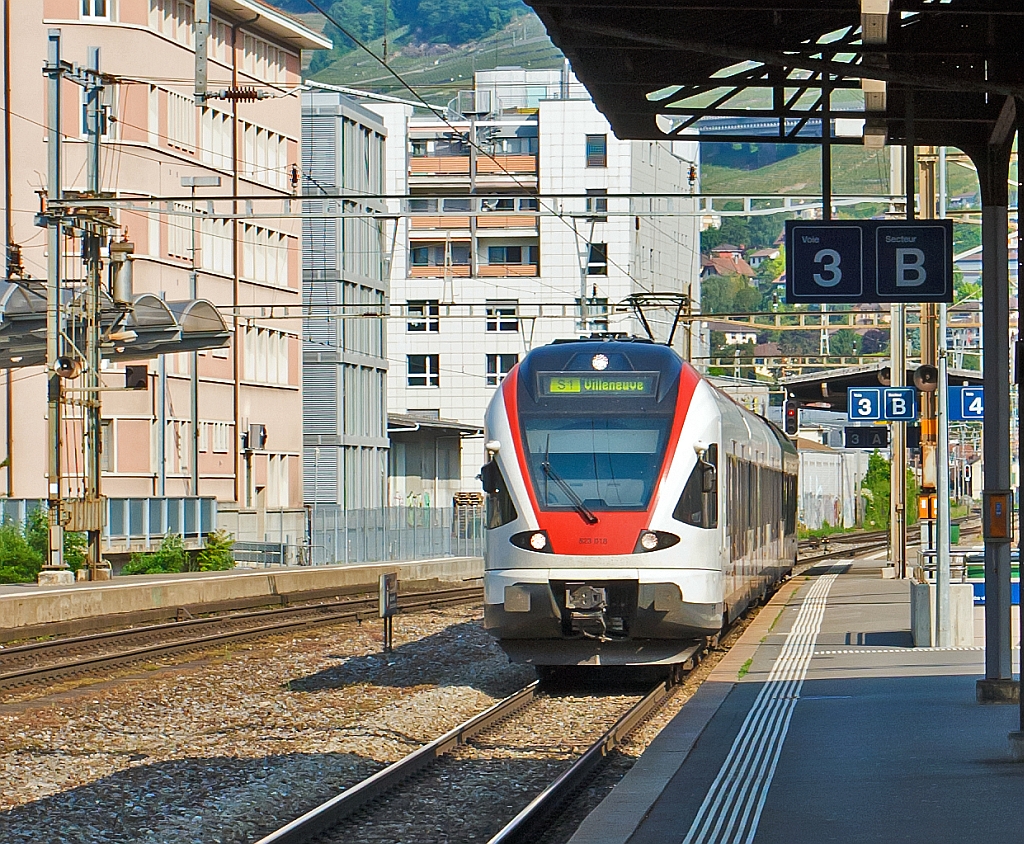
(423, 315)
(597, 314)
(504, 254)
(221, 437)
(424, 370)
(528, 204)
(597, 150)
(95, 9)
(457, 205)
(501, 316)
(106, 445)
(597, 259)
(423, 205)
(498, 366)
(512, 255)
(597, 205)
(434, 256)
(498, 204)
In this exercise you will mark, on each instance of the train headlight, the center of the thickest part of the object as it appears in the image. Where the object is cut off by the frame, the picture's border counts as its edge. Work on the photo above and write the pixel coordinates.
(654, 540)
(532, 540)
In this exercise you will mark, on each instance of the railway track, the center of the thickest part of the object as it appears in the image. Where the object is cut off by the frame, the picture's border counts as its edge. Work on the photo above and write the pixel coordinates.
(41, 662)
(838, 545)
(502, 727)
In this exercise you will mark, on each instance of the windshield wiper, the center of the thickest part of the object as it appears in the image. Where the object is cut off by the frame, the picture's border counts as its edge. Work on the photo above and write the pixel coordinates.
(585, 512)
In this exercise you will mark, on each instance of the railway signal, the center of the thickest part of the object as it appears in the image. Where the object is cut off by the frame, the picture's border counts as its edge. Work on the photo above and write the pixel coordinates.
(791, 418)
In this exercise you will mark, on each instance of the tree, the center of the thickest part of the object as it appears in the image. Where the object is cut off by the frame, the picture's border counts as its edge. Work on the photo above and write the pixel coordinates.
(771, 269)
(747, 299)
(875, 490)
(749, 232)
(844, 342)
(728, 294)
(800, 342)
(874, 341)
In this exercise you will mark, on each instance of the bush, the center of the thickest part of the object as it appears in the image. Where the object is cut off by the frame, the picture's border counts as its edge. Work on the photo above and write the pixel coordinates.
(216, 555)
(19, 561)
(37, 529)
(170, 557)
(23, 549)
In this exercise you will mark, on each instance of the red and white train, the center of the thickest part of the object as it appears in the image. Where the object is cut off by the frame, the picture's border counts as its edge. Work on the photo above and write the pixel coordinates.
(632, 507)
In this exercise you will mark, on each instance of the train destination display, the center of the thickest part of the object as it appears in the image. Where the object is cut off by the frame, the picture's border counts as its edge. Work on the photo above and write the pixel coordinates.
(605, 384)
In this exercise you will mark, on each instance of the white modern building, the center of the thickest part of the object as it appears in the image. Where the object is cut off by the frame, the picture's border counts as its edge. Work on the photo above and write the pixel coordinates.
(539, 230)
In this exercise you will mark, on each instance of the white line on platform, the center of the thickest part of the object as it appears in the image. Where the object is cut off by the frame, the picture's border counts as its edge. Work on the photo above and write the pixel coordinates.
(896, 650)
(732, 809)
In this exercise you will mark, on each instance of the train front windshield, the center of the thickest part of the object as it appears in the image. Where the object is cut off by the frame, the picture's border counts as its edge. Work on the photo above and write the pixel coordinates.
(602, 462)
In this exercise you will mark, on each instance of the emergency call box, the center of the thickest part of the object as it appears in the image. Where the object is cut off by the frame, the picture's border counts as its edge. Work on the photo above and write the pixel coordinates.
(998, 515)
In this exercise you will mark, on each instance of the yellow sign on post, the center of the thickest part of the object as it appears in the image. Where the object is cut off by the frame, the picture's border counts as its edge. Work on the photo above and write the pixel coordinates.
(927, 507)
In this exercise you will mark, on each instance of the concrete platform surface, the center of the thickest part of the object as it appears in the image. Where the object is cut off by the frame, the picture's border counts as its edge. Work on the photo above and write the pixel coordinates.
(838, 731)
(28, 605)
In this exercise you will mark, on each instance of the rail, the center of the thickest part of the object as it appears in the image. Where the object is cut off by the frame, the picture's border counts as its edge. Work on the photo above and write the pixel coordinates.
(523, 827)
(329, 814)
(48, 661)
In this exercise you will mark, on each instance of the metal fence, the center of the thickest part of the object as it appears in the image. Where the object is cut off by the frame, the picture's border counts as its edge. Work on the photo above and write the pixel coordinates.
(395, 534)
(137, 524)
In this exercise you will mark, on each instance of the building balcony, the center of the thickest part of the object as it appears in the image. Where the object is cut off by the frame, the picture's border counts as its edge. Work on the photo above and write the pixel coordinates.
(456, 271)
(507, 270)
(501, 164)
(440, 222)
(506, 221)
(437, 165)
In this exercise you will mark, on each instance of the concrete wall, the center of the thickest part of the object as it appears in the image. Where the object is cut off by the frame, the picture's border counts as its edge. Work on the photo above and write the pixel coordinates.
(126, 595)
(922, 614)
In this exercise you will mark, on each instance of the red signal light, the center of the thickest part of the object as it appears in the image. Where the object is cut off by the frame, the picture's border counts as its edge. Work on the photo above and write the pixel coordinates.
(791, 417)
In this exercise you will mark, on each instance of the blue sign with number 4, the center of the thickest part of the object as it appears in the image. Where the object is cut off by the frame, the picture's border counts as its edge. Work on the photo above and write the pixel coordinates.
(966, 404)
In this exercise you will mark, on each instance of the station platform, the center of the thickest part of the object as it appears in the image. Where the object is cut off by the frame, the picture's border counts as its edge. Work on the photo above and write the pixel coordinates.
(27, 609)
(824, 724)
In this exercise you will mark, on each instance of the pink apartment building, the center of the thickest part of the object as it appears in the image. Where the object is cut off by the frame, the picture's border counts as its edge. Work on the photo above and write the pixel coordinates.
(250, 268)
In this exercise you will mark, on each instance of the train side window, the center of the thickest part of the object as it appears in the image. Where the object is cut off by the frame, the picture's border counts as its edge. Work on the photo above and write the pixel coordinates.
(500, 509)
(698, 505)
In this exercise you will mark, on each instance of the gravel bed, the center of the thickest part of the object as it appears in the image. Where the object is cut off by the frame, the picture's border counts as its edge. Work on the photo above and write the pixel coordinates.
(469, 795)
(625, 755)
(228, 746)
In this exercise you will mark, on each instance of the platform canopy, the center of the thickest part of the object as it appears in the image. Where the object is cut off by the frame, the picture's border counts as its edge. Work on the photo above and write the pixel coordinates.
(147, 327)
(657, 67)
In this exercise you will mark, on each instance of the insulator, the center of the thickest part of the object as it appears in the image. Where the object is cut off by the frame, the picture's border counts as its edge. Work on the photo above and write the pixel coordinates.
(241, 95)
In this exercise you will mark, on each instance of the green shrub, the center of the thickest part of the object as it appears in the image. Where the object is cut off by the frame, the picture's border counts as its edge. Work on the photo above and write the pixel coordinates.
(23, 550)
(216, 555)
(37, 529)
(170, 557)
(19, 561)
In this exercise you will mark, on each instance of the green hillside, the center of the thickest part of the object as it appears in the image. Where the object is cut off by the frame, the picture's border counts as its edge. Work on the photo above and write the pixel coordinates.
(854, 170)
(437, 71)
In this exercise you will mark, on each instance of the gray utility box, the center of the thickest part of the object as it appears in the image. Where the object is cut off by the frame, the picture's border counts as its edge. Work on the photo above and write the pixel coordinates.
(922, 614)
